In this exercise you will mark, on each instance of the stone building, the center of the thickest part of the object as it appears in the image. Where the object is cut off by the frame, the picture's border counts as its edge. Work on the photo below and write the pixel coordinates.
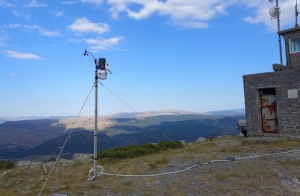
(272, 99)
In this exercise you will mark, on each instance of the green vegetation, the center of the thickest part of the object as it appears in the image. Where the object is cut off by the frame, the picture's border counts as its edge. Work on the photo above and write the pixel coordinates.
(257, 176)
(156, 163)
(133, 151)
(6, 164)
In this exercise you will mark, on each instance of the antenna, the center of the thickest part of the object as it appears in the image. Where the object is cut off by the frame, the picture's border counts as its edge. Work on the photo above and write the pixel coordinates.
(275, 14)
(296, 14)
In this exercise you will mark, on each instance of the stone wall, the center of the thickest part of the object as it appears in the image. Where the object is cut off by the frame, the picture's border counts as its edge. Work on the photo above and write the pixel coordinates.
(288, 107)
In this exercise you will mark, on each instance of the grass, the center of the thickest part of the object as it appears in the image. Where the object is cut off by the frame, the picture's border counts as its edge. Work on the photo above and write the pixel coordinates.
(231, 178)
(124, 187)
(158, 162)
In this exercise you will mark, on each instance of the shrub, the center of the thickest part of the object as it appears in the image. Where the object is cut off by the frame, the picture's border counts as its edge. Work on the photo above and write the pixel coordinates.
(6, 164)
(170, 145)
(133, 151)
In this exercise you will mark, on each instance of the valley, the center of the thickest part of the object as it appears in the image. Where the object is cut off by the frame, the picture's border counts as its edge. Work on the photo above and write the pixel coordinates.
(43, 138)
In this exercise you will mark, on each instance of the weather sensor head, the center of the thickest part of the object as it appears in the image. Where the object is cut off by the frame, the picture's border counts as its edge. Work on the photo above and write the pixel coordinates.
(101, 65)
(270, 0)
(102, 74)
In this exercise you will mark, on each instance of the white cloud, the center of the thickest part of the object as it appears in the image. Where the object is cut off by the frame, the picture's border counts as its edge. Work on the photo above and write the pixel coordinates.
(83, 25)
(197, 13)
(49, 33)
(69, 2)
(33, 3)
(192, 24)
(103, 44)
(43, 31)
(287, 16)
(98, 2)
(3, 38)
(58, 14)
(14, 25)
(13, 74)
(19, 55)
(188, 13)
(18, 14)
(31, 27)
(6, 4)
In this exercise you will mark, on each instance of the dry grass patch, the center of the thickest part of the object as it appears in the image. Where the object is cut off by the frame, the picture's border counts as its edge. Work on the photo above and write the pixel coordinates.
(230, 178)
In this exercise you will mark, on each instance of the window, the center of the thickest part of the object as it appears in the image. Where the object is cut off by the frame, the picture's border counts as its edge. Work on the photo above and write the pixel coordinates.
(295, 44)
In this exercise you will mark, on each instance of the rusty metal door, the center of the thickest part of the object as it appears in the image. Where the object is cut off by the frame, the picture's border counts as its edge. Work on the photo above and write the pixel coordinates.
(269, 110)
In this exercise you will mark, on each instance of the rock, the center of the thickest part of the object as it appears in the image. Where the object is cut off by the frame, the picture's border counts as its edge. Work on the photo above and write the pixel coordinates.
(65, 162)
(35, 164)
(28, 164)
(82, 157)
(49, 164)
(295, 180)
(290, 185)
(278, 173)
(201, 139)
(24, 163)
(183, 142)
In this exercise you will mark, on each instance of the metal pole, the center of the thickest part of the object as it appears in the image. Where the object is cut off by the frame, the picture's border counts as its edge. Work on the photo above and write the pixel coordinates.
(96, 119)
(278, 28)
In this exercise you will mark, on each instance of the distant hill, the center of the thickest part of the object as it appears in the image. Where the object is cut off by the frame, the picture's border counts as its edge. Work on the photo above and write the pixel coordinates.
(14, 118)
(132, 114)
(36, 138)
(188, 130)
(29, 133)
(236, 112)
(156, 113)
(80, 142)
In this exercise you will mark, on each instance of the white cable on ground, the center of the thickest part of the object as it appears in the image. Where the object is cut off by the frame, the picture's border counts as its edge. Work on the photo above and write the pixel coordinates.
(191, 167)
(151, 175)
(264, 155)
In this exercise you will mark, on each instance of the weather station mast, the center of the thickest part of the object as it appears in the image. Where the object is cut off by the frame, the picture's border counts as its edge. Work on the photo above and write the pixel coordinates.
(101, 68)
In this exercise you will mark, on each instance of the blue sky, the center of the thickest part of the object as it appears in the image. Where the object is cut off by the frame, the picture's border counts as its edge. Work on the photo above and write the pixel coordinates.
(168, 54)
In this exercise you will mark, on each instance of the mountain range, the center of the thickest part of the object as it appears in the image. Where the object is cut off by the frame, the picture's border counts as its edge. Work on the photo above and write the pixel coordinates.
(40, 138)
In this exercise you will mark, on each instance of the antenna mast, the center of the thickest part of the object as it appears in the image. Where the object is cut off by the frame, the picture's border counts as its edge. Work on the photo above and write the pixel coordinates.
(278, 26)
(296, 14)
(275, 14)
